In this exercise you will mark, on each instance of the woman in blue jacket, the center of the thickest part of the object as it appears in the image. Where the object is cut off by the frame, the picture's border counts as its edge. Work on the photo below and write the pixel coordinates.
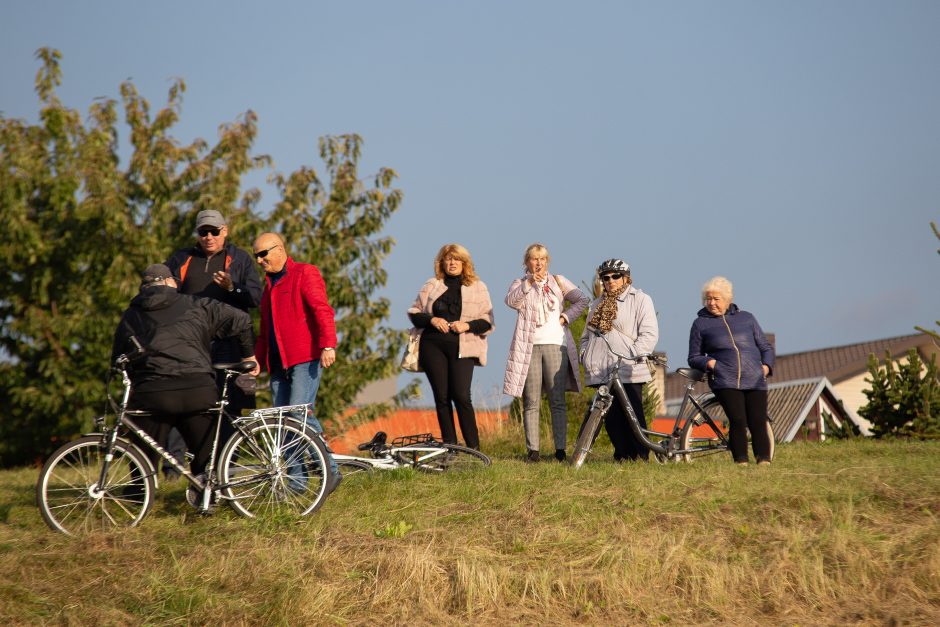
(730, 346)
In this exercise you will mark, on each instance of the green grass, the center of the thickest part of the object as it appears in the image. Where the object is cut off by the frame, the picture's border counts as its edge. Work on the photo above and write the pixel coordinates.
(835, 533)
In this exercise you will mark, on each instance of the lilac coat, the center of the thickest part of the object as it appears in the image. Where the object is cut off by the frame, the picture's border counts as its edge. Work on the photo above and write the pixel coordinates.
(524, 299)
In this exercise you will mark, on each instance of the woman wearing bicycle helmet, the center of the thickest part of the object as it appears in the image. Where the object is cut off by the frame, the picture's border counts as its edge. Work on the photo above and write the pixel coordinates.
(542, 354)
(730, 346)
(625, 316)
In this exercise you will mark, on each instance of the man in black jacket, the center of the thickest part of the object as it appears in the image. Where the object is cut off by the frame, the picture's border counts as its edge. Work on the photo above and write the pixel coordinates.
(216, 269)
(174, 379)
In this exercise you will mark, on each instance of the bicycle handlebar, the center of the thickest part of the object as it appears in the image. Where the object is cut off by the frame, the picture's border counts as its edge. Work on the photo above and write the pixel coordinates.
(139, 351)
(659, 360)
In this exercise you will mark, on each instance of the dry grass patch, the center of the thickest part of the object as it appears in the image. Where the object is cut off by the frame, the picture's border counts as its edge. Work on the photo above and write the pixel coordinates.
(830, 534)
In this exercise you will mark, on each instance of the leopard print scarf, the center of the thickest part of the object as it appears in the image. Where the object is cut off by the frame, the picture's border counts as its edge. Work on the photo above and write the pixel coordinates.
(606, 312)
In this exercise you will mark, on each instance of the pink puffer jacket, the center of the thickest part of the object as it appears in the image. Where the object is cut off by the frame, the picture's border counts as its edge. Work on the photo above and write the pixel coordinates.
(524, 298)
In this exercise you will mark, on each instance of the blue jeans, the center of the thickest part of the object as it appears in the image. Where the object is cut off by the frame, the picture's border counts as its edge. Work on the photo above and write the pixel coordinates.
(295, 386)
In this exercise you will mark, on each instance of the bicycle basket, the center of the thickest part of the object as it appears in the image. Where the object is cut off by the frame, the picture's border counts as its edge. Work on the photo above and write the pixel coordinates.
(418, 438)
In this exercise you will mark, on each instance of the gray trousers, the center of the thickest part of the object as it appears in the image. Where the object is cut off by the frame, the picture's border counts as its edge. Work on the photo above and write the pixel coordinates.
(548, 371)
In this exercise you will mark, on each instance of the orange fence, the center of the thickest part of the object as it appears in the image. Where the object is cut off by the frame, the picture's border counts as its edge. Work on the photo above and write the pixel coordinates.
(407, 422)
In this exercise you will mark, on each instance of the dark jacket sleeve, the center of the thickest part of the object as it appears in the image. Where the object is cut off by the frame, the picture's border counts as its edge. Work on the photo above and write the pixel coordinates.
(697, 357)
(121, 337)
(247, 286)
(767, 354)
(227, 321)
(420, 320)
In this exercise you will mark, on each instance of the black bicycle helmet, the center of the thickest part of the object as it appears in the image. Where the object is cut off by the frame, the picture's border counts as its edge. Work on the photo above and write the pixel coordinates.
(613, 265)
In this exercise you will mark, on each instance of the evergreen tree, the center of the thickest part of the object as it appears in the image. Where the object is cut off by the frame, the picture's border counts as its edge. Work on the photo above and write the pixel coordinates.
(931, 332)
(904, 398)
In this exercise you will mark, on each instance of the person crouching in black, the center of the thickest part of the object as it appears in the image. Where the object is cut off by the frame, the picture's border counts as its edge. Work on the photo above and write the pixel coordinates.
(174, 380)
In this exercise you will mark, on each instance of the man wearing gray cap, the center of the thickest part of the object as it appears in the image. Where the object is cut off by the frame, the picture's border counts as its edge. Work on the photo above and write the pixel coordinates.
(215, 269)
(173, 380)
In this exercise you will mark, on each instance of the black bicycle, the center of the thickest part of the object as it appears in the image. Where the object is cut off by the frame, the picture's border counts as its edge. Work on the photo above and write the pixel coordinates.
(700, 427)
(272, 464)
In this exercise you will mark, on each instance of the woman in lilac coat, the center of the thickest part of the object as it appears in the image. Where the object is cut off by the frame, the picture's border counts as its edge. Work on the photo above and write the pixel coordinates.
(542, 354)
(730, 346)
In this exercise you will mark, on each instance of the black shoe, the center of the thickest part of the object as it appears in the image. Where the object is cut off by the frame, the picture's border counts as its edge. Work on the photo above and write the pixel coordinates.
(334, 482)
(560, 454)
(532, 457)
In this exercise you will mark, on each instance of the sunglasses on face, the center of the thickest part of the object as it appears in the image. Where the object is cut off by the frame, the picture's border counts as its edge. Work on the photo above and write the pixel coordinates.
(611, 277)
(209, 230)
(261, 254)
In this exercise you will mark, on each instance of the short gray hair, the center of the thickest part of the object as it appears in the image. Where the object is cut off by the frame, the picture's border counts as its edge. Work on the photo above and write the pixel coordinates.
(718, 284)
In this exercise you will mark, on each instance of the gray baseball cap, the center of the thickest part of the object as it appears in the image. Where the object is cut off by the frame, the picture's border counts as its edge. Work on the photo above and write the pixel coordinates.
(210, 217)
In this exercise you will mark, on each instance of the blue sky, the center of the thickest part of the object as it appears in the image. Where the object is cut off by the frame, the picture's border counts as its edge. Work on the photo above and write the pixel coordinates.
(790, 146)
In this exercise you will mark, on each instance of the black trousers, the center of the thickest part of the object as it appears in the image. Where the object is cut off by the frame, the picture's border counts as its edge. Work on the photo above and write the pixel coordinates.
(450, 379)
(185, 410)
(746, 411)
(626, 446)
(241, 395)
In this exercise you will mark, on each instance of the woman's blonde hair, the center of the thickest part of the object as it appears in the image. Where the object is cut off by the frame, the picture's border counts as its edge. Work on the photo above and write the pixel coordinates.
(533, 250)
(718, 284)
(468, 276)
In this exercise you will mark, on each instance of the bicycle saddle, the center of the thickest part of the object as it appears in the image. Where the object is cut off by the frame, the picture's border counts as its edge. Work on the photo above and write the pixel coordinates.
(692, 374)
(238, 366)
(377, 440)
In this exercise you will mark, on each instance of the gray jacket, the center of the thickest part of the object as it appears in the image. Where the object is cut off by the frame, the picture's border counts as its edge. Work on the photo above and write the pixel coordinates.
(635, 332)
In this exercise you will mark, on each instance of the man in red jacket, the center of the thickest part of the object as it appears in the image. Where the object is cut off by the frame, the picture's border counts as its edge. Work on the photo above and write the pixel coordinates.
(298, 330)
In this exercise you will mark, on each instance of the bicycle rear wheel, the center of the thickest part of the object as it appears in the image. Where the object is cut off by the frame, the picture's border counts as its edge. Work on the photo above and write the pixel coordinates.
(590, 428)
(712, 443)
(275, 466)
(70, 498)
(453, 458)
(354, 468)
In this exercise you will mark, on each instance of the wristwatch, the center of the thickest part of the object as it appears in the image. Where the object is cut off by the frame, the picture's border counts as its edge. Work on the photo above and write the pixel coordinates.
(328, 348)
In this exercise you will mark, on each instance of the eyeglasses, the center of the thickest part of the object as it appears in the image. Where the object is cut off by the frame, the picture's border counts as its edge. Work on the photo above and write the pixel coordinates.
(261, 254)
(611, 277)
(209, 230)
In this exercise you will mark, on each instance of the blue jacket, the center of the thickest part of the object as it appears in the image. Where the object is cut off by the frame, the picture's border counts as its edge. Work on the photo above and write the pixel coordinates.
(737, 344)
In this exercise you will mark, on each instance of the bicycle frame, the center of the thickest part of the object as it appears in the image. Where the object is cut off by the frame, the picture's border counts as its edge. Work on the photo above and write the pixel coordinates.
(390, 458)
(686, 419)
(209, 486)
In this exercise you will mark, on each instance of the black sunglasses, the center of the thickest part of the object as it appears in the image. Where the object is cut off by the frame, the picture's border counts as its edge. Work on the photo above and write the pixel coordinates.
(261, 254)
(206, 230)
(611, 277)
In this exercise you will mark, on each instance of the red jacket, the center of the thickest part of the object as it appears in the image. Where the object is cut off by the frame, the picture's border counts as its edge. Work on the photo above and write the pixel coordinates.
(303, 318)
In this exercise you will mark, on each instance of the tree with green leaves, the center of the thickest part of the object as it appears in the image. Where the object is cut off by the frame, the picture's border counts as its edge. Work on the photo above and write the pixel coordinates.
(904, 398)
(79, 227)
(334, 225)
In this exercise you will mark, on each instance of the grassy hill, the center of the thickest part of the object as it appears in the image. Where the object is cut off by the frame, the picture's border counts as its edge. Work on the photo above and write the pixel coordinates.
(835, 533)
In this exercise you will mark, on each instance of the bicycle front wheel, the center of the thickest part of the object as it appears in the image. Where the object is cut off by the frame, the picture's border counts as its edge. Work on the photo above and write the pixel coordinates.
(274, 466)
(453, 458)
(590, 428)
(73, 500)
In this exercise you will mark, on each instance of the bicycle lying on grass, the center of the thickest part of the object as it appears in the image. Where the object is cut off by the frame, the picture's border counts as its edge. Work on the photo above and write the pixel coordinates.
(699, 429)
(273, 463)
(420, 451)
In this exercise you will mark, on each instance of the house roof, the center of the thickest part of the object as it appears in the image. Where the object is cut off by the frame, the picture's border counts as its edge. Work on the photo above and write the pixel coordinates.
(836, 363)
(789, 403)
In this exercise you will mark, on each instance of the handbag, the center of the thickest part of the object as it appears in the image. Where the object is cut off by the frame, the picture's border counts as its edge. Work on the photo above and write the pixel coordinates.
(409, 361)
